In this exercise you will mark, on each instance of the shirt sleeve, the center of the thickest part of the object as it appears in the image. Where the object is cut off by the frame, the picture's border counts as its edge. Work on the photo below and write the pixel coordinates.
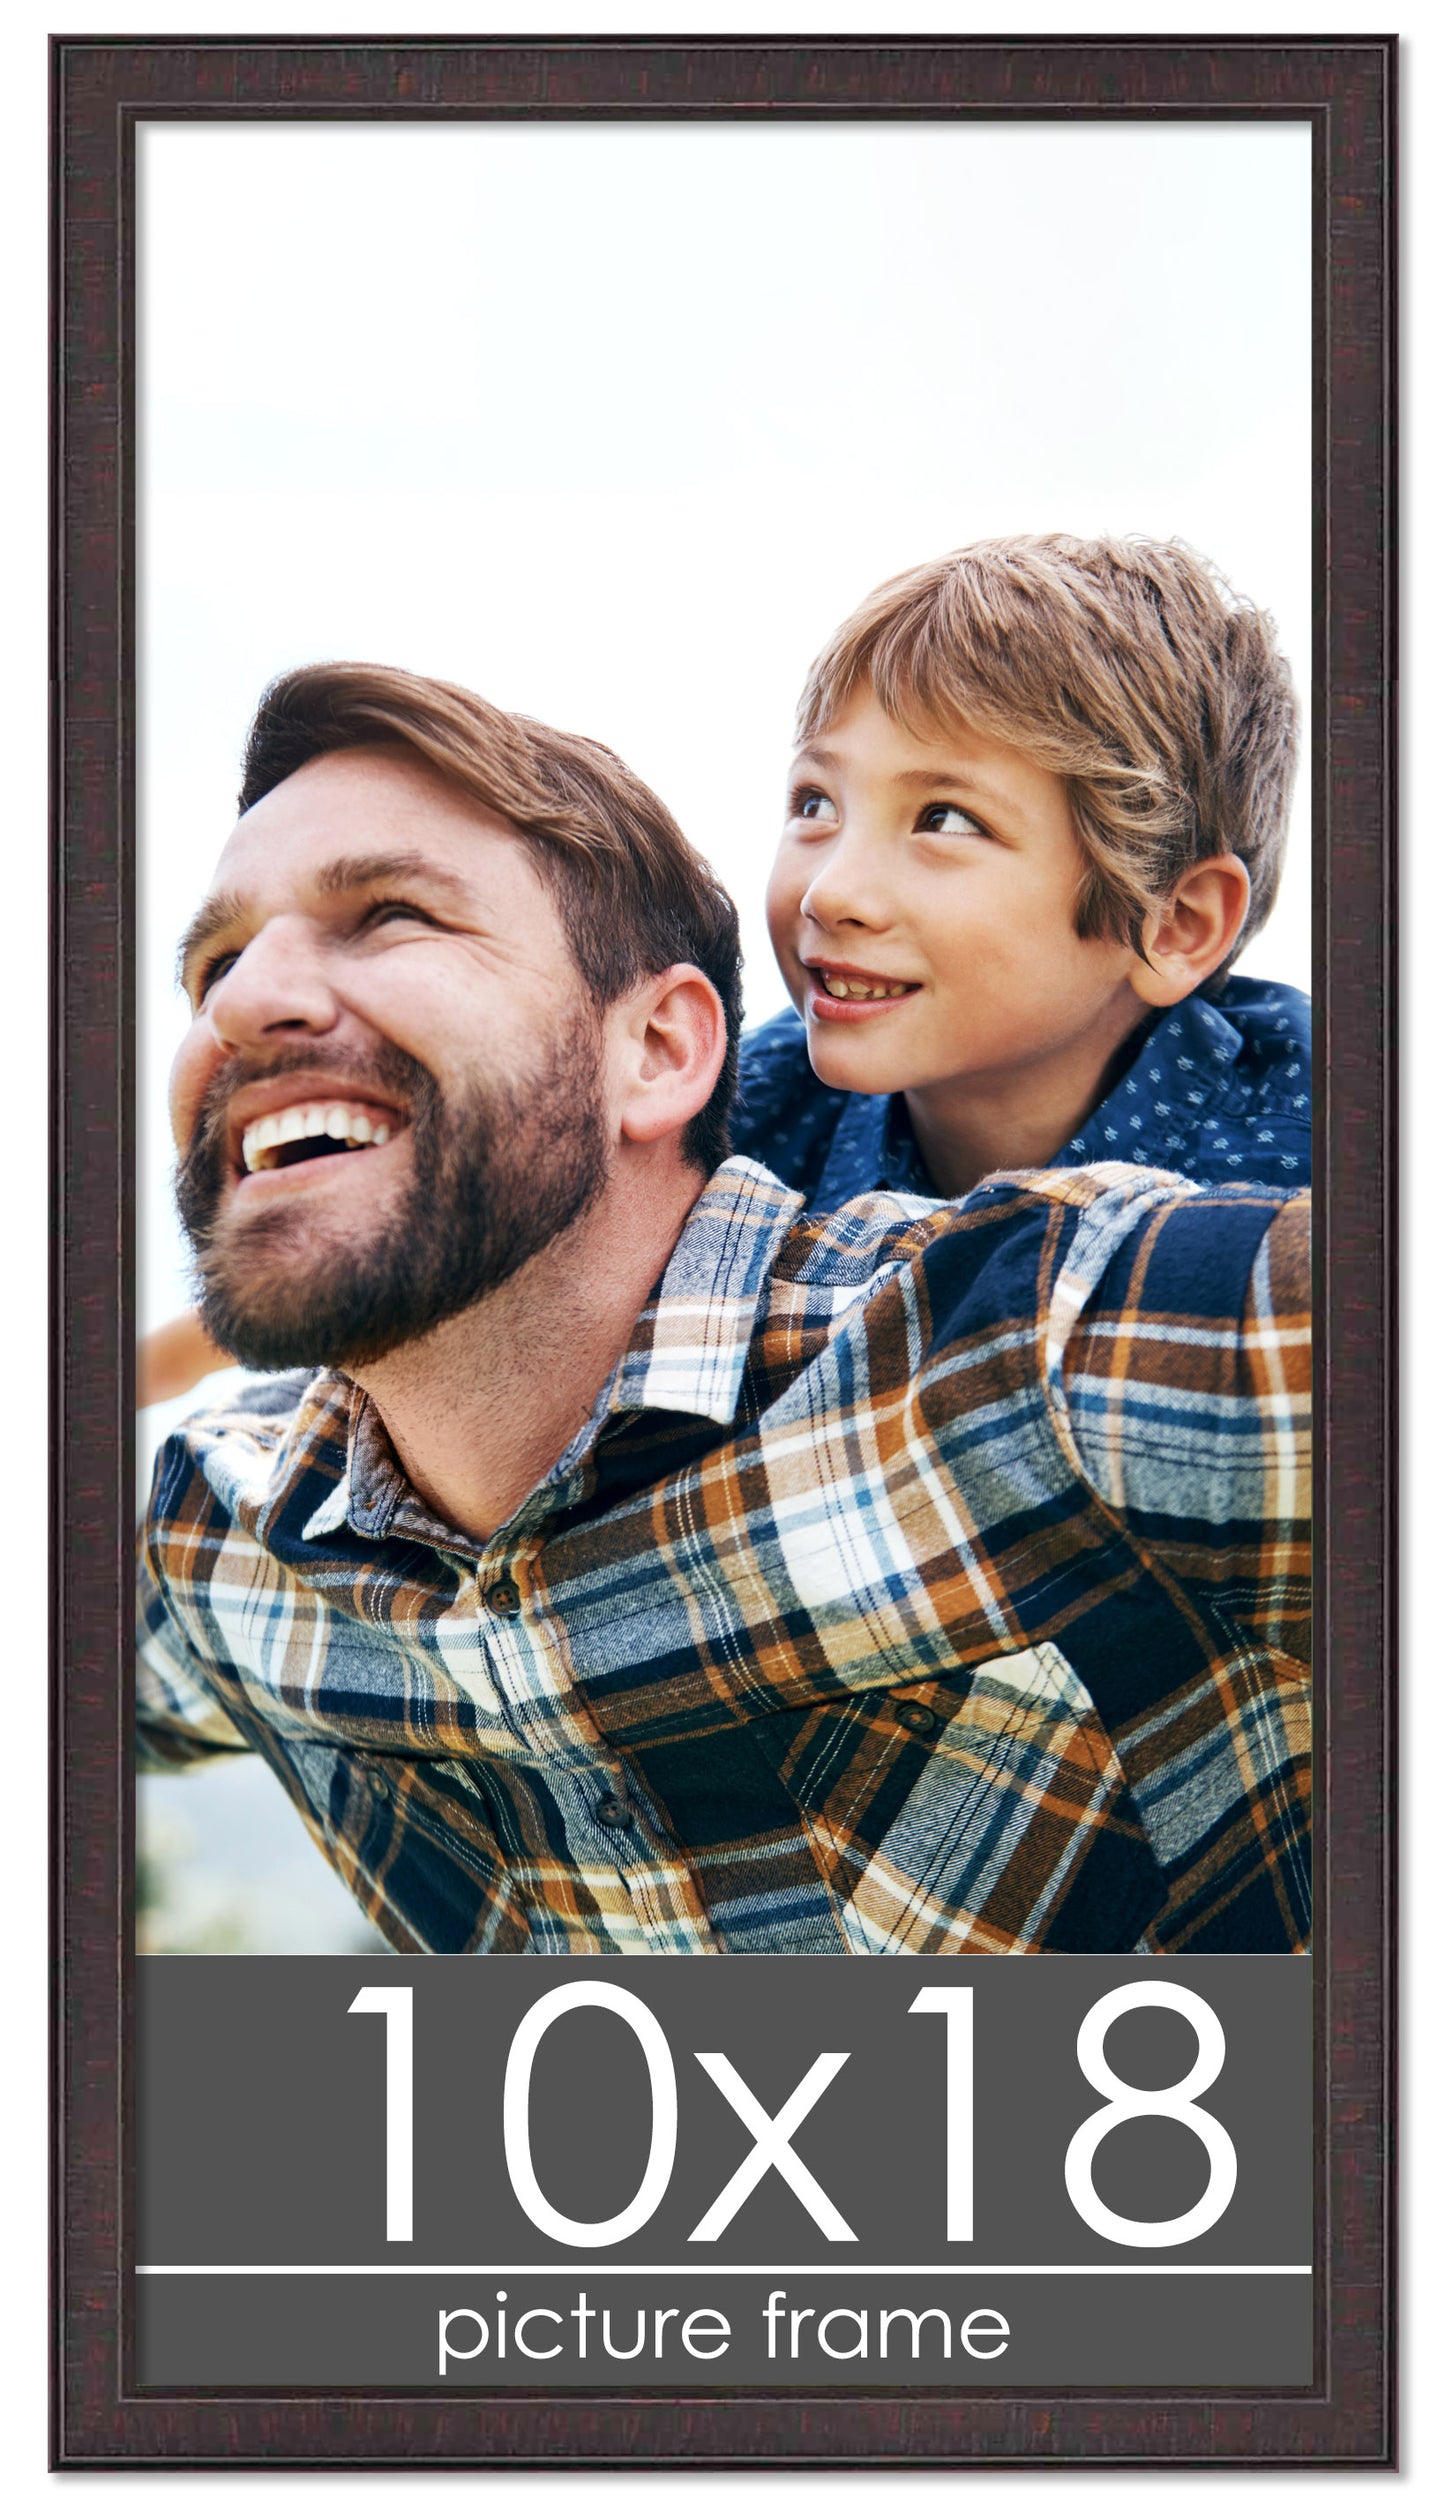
(1185, 1382)
(178, 1722)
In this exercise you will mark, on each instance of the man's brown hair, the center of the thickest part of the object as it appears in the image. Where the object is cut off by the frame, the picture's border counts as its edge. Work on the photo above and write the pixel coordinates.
(633, 895)
(1128, 667)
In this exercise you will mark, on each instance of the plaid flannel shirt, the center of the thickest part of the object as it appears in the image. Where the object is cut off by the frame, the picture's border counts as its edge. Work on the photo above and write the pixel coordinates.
(928, 1577)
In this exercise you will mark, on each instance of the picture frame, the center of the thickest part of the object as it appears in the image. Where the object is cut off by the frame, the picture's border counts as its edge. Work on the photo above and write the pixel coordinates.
(103, 90)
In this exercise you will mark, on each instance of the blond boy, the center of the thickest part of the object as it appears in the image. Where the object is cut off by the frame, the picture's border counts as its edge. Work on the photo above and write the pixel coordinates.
(1037, 808)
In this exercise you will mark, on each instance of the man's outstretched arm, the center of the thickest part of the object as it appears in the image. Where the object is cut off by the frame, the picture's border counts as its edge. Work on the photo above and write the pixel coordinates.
(177, 1722)
(1185, 1384)
(1186, 1392)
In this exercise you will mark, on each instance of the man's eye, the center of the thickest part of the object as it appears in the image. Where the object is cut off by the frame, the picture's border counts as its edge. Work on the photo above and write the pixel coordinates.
(392, 908)
(209, 975)
(944, 817)
(813, 805)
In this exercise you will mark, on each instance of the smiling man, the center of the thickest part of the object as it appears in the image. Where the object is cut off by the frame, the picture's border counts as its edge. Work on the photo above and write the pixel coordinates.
(629, 1562)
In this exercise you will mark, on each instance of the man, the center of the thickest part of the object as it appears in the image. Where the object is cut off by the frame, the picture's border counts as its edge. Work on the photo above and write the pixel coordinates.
(643, 1566)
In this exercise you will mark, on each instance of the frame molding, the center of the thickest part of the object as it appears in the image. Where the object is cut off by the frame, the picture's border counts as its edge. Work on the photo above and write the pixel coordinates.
(100, 89)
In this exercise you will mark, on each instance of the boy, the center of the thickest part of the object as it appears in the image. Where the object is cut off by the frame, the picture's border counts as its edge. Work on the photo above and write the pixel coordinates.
(1038, 805)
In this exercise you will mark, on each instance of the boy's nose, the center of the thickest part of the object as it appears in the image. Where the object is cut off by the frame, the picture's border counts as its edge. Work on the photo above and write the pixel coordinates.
(847, 890)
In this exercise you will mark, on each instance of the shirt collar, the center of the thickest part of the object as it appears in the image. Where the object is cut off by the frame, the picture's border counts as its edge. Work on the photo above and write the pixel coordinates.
(690, 1346)
(1196, 1026)
(688, 1352)
(1192, 1045)
(900, 1166)
(1187, 1051)
(861, 1156)
(367, 1491)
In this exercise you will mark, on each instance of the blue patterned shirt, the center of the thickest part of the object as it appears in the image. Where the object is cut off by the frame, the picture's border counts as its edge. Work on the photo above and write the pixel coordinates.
(1218, 1090)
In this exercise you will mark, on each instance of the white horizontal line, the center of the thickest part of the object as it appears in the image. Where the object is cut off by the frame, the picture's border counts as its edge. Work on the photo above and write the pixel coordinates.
(723, 2269)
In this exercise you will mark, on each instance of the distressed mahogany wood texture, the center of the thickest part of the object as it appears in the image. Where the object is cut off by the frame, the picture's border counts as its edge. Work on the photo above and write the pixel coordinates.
(100, 90)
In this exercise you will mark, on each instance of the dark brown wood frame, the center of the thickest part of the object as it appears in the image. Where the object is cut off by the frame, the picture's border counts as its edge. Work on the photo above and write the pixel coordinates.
(1346, 91)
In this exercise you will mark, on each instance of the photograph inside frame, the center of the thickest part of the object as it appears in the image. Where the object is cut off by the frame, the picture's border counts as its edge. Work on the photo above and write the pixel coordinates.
(724, 1366)
(724, 1279)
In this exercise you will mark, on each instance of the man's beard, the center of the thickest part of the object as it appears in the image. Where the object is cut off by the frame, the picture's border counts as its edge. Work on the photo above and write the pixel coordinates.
(498, 1172)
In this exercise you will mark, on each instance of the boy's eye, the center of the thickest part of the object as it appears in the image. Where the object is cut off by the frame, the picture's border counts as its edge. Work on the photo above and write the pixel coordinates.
(945, 817)
(815, 806)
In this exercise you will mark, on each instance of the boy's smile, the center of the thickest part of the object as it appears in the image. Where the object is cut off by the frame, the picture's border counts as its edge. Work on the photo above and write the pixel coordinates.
(922, 906)
(840, 994)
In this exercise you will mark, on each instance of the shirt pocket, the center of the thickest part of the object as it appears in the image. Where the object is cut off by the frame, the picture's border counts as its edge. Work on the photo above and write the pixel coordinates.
(984, 1812)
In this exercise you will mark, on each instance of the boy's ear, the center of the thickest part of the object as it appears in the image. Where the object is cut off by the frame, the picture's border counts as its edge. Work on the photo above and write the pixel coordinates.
(1185, 938)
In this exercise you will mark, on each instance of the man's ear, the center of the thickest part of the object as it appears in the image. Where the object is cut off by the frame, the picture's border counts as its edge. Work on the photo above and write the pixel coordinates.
(672, 1044)
(1185, 938)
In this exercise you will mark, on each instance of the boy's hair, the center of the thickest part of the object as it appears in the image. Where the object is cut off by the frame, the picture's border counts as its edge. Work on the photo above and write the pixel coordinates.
(633, 895)
(1128, 668)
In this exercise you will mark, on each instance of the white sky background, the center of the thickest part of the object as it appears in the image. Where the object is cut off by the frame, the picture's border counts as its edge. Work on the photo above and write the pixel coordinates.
(615, 424)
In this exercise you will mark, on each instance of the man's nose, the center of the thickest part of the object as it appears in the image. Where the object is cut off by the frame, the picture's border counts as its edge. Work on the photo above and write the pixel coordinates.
(849, 886)
(277, 984)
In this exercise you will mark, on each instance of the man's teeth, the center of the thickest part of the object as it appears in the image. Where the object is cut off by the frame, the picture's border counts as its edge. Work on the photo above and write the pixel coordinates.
(262, 1141)
(838, 989)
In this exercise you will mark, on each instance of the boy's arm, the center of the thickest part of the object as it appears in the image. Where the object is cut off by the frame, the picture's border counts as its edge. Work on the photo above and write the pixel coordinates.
(171, 1359)
(1185, 1383)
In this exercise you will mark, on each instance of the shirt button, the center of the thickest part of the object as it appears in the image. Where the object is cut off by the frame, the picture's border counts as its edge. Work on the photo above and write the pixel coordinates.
(918, 1717)
(376, 1783)
(505, 1598)
(614, 1812)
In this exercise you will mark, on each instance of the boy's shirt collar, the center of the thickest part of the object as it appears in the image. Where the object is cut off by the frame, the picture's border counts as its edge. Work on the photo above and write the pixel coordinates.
(1178, 1068)
(1162, 1111)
